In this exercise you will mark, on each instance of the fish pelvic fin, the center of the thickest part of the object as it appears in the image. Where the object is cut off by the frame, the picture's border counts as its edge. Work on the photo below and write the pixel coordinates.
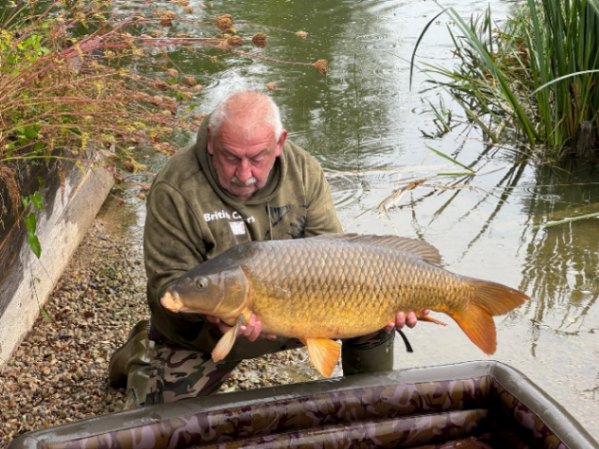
(324, 354)
(226, 342)
(488, 299)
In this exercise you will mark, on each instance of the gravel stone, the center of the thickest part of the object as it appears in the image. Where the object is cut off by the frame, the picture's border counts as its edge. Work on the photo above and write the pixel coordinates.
(58, 374)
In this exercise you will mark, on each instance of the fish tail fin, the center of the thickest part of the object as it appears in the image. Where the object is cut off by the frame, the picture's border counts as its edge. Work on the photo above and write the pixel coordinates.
(487, 299)
(496, 298)
(324, 354)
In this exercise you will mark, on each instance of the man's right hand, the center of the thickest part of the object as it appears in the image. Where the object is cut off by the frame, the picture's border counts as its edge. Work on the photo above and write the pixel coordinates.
(252, 330)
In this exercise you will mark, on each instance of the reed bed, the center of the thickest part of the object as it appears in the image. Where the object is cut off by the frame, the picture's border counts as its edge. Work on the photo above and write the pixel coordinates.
(532, 81)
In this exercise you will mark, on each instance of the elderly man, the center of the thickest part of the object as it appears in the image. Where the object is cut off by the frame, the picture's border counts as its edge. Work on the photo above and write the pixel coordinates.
(242, 180)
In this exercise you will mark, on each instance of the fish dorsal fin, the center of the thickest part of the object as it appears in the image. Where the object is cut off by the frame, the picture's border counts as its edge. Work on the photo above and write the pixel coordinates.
(416, 247)
(420, 248)
(226, 342)
(324, 354)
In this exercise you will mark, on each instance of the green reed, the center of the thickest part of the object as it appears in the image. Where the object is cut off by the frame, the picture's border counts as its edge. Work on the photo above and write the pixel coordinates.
(533, 81)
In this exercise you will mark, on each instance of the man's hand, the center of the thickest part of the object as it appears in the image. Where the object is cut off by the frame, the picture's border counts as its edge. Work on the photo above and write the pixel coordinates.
(252, 330)
(410, 320)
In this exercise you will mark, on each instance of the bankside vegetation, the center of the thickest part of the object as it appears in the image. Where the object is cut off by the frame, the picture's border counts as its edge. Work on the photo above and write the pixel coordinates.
(87, 80)
(64, 92)
(532, 82)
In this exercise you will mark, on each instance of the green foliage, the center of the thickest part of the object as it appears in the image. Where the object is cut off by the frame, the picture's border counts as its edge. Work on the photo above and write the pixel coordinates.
(31, 203)
(467, 170)
(62, 85)
(534, 82)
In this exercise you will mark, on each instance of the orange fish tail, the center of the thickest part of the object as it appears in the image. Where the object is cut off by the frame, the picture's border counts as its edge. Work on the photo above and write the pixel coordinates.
(486, 300)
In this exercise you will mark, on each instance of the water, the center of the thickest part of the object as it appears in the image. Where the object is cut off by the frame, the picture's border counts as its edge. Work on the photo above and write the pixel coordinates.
(363, 122)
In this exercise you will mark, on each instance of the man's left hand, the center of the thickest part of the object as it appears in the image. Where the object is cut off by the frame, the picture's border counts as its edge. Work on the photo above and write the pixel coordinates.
(402, 319)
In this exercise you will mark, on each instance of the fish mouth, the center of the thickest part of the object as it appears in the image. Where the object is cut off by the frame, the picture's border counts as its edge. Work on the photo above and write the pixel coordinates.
(172, 301)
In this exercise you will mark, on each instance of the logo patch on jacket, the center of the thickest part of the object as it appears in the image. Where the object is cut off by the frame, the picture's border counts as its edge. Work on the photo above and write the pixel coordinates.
(236, 220)
(277, 213)
(237, 227)
(290, 215)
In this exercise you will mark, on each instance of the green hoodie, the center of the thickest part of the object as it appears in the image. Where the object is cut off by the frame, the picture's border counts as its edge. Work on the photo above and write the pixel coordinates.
(190, 219)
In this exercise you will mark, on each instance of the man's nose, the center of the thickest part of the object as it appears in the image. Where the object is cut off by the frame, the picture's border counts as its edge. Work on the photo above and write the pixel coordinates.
(244, 170)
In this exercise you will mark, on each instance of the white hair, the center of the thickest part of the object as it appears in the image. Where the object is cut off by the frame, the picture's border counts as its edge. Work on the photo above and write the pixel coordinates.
(256, 105)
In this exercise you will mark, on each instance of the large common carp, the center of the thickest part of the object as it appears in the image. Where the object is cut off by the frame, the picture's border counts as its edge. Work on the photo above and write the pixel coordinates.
(335, 286)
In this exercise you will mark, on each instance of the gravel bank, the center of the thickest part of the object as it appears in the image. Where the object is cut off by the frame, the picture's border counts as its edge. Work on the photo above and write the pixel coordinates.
(58, 373)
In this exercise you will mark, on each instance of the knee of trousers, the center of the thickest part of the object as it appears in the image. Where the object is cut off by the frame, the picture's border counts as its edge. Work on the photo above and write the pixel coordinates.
(369, 354)
(143, 354)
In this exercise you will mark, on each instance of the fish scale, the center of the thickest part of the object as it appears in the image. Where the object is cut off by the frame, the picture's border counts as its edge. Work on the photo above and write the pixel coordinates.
(344, 283)
(336, 286)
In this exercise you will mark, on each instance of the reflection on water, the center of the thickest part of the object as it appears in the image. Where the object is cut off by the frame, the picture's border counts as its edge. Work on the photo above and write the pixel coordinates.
(562, 262)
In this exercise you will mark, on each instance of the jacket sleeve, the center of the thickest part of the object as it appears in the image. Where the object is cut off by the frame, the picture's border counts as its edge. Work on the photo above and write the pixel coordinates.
(172, 246)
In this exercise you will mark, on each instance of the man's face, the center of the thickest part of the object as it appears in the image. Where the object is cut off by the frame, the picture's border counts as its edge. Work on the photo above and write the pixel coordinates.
(243, 159)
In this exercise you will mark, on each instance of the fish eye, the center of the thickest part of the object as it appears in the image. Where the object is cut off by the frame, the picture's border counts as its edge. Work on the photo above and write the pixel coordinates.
(201, 282)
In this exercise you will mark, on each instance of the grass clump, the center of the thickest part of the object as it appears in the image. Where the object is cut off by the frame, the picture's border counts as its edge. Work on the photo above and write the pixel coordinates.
(533, 81)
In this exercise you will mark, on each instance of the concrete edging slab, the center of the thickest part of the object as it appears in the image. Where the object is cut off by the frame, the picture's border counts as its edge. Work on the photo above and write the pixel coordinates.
(27, 283)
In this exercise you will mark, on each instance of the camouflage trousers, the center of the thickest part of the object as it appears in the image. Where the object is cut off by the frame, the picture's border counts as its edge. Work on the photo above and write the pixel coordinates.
(179, 373)
(176, 373)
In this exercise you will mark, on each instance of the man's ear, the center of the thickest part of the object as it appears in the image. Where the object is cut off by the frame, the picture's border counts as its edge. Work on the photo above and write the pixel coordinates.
(209, 141)
(281, 142)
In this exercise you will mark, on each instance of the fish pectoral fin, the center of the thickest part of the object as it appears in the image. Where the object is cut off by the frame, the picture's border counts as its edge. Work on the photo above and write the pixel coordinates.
(324, 354)
(226, 342)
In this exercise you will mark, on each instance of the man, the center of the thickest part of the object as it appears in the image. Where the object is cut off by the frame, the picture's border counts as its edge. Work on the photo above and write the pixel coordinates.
(241, 181)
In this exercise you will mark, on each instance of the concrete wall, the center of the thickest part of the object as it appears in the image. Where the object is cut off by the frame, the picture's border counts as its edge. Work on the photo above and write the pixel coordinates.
(70, 206)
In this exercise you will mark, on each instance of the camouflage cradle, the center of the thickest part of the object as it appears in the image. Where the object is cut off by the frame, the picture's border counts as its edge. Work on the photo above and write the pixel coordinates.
(468, 405)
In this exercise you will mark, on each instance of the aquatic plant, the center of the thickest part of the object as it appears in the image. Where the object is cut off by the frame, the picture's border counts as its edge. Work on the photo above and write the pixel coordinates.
(532, 81)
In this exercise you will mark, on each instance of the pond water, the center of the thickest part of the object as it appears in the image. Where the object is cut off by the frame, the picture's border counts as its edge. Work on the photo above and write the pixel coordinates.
(363, 122)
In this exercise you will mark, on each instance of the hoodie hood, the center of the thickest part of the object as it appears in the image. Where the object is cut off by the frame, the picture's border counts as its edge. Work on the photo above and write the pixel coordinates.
(264, 195)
